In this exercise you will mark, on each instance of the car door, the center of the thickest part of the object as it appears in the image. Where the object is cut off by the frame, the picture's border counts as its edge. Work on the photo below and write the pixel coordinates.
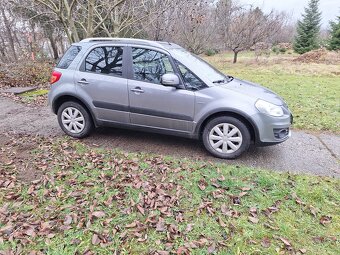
(102, 80)
(151, 103)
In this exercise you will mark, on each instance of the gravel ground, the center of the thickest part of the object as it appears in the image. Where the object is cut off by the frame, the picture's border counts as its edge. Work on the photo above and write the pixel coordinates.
(317, 154)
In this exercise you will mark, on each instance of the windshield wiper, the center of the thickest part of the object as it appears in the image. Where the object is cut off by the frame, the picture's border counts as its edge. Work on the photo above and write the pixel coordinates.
(219, 81)
(230, 78)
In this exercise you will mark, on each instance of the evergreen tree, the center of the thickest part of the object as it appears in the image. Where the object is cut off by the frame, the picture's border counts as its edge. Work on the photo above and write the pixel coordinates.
(308, 29)
(334, 42)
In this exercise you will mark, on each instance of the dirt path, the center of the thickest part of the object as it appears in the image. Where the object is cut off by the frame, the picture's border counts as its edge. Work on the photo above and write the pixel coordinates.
(303, 153)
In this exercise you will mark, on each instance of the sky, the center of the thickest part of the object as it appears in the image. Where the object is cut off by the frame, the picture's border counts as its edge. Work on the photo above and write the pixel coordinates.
(330, 8)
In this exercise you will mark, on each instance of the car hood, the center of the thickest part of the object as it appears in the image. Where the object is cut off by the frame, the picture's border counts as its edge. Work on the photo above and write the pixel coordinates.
(254, 90)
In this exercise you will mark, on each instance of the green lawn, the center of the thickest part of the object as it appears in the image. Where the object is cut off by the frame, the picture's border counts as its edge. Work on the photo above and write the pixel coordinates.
(101, 201)
(311, 90)
(34, 96)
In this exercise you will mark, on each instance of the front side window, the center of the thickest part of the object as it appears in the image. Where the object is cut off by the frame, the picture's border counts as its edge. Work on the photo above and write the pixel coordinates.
(68, 57)
(150, 65)
(197, 65)
(105, 60)
(191, 81)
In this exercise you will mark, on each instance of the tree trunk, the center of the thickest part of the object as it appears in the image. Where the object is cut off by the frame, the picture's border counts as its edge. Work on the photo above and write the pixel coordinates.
(90, 18)
(9, 34)
(235, 57)
(53, 46)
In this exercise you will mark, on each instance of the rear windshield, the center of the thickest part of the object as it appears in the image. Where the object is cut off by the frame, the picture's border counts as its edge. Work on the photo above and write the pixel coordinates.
(68, 57)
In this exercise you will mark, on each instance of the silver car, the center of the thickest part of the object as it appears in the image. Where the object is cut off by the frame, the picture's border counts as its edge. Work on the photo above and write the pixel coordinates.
(160, 87)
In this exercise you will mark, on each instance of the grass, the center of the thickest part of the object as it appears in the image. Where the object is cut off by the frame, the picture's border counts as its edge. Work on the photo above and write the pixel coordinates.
(153, 205)
(311, 90)
(31, 96)
(34, 97)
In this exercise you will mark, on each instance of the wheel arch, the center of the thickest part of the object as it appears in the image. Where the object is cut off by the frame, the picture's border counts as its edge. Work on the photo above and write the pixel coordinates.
(254, 133)
(70, 97)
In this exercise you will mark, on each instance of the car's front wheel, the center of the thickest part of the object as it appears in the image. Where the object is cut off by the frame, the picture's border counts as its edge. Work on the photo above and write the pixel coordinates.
(75, 120)
(226, 137)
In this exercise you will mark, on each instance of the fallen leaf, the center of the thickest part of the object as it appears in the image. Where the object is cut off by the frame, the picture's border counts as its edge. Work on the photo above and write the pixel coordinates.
(222, 224)
(189, 228)
(98, 214)
(75, 241)
(266, 242)
(95, 239)
(132, 225)
(303, 251)
(68, 220)
(325, 220)
(160, 227)
(202, 184)
(253, 219)
(212, 249)
(141, 209)
(30, 232)
(267, 225)
(246, 189)
(285, 241)
(297, 199)
(8, 229)
(182, 250)
(313, 210)
(163, 252)
(242, 194)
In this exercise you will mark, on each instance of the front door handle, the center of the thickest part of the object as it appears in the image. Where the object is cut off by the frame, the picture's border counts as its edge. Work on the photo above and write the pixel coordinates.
(83, 81)
(137, 90)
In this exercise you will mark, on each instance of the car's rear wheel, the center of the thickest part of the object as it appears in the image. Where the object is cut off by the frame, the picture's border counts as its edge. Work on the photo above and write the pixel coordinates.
(75, 120)
(226, 137)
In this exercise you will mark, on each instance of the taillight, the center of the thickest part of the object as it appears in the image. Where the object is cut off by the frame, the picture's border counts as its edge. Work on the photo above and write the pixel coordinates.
(55, 77)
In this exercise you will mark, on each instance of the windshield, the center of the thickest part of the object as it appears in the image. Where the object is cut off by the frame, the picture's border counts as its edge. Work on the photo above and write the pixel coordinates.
(198, 65)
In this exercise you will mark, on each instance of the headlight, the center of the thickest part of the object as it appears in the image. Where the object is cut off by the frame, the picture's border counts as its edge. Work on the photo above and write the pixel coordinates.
(269, 108)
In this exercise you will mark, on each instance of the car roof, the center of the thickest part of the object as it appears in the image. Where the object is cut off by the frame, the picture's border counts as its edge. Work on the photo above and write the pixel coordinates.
(133, 41)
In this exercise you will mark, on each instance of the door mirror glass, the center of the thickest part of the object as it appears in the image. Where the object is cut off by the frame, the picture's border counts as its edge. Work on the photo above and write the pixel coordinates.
(170, 80)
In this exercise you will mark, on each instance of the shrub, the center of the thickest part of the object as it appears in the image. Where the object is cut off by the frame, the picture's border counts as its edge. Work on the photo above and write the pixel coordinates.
(211, 52)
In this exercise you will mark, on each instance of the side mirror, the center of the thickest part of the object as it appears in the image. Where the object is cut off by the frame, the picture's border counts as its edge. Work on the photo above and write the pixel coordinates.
(170, 80)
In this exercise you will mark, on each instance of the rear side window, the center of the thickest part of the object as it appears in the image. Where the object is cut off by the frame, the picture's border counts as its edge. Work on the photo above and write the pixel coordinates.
(105, 60)
(68, 57)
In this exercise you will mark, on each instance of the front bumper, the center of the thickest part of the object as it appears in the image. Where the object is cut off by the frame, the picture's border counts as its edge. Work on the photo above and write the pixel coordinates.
(272, 130)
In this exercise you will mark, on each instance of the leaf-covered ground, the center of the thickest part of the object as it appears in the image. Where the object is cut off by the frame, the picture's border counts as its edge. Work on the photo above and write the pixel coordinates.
(83, 200)
(25, 74)
(34, 98)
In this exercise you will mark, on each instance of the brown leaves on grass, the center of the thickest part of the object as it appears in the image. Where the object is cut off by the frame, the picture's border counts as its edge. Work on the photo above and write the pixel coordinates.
(202, 184)
(266, 242)
(325, 220)
(253, 217)
(84, 203)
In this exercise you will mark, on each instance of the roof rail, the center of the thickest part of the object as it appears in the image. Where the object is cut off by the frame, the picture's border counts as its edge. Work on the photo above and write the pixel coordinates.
(95, 39)
(124, 40)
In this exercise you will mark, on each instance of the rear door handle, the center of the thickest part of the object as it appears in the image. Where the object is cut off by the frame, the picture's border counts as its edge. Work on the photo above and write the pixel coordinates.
(137, 90)
(83, 81)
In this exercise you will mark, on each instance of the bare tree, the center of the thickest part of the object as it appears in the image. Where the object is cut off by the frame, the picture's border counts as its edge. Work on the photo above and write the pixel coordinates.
(245, 27)
(188, 23)
(7, 22)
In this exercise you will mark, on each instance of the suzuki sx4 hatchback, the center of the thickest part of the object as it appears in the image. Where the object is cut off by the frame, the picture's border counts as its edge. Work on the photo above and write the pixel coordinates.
(160, 87)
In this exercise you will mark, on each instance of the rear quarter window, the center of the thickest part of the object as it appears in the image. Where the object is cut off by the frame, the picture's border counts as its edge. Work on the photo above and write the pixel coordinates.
(68, 57)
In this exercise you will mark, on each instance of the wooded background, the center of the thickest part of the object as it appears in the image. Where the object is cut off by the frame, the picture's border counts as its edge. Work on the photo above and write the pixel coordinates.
(40, 29)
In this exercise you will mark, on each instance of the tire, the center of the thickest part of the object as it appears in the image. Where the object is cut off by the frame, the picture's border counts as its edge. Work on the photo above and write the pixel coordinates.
(75, 120)
(228, 146)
